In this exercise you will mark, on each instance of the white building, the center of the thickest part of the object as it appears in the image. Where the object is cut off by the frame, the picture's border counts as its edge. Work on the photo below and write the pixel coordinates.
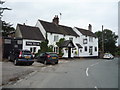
(31, 37)
(88, 41)
(78, 43)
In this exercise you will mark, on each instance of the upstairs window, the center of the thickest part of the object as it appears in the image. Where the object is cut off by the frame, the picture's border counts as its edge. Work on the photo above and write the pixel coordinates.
(90, 39)
(56, 38)
(84, 41)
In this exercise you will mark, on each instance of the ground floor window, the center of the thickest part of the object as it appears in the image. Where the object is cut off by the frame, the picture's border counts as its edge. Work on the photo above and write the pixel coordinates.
(33, 49)
(95, 49)
(56, 50)
(85, 48)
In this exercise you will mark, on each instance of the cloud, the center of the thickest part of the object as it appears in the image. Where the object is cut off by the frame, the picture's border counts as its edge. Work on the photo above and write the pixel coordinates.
(74, 12)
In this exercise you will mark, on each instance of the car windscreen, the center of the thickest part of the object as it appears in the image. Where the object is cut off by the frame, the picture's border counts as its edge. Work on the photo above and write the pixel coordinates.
(52, 54)
(26, 52)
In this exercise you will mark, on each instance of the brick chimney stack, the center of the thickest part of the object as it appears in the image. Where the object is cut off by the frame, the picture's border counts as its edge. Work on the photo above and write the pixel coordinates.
(56, 20)
(90, 27)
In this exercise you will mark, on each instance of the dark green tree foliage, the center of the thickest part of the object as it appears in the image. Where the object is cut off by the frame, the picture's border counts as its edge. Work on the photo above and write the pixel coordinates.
(7, 28)
(59, 44)
(44, 47)
(110, 39)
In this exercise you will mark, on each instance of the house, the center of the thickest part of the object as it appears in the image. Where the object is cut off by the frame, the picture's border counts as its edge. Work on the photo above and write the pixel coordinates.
(54, 32)
(30, 37)
(88, 42)
(78, 42)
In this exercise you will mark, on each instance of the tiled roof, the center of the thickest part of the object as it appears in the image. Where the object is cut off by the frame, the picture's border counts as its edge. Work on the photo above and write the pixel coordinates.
(86, 32)
(66, 43)
(58, 29)
(29, 32)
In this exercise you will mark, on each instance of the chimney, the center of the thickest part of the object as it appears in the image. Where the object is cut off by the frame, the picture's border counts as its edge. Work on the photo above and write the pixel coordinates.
(56, 20)
(90, 27)
(23, 23)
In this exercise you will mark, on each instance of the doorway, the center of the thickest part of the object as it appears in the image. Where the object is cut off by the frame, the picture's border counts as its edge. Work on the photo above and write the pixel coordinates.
(69, 52)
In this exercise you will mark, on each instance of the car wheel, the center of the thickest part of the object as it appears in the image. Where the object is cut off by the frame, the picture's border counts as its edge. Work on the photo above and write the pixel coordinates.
(56, 62)
(15, 62)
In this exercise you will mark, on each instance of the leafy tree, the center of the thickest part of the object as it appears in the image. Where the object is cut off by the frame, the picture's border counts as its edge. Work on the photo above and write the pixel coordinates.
(59, 44)
(44, 47)
(110, 39)
(7, 28)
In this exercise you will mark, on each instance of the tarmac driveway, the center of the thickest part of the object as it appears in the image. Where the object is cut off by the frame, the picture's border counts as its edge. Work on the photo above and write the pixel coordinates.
(12, 73)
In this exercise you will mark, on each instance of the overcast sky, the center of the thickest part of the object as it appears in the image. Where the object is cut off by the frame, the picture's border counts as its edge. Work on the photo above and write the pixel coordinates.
(78, 13)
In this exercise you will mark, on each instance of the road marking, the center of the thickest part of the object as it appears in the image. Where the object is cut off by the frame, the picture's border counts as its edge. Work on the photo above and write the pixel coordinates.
(94, 64)
(96, 87)
(87, 71)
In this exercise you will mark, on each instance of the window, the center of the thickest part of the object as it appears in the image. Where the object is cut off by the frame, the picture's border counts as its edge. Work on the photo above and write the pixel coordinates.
(19, 42)
(71, 38)
(31, 49)
(34, 49)
(95, 49)
(56, 38)
(86, 48)
(84, 41)
(56, 50)
(90, 39)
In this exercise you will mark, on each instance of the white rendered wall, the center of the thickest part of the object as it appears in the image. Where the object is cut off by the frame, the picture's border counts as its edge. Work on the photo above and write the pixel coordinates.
(25, 47)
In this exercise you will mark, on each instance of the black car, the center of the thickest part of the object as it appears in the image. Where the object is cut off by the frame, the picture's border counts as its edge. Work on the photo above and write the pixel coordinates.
(48, 58)
(21, 57)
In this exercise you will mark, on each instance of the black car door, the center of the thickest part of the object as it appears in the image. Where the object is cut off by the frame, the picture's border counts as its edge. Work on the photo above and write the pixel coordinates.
(41, 57)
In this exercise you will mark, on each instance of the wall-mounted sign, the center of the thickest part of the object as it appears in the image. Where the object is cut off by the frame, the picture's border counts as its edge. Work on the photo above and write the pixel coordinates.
(32, 43)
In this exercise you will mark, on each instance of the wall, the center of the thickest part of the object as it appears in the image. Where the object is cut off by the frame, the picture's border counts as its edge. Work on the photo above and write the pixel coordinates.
(52, 42)
(30, 46)
(39, 25)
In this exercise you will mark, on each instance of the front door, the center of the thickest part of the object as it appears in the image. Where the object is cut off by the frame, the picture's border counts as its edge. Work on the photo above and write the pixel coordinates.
(69, 52)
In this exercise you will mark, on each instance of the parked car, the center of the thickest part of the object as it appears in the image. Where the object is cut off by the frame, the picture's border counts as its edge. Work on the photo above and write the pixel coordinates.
(108, 56)
(48, 58)
(21, 57)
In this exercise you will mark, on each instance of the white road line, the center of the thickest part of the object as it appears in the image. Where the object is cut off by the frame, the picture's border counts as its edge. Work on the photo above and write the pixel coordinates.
(87, 71)
(96, 87)
(94, 64)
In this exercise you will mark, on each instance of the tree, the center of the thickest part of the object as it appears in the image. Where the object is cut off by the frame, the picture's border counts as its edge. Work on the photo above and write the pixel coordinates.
(7, 28)
(110, 40)
(44, 47)
(59, 44)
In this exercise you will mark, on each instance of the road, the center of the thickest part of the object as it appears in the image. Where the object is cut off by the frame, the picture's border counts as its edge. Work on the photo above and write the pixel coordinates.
(78, 73)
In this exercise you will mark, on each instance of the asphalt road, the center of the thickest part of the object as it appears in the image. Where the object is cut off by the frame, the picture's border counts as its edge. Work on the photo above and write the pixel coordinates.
(85, 73)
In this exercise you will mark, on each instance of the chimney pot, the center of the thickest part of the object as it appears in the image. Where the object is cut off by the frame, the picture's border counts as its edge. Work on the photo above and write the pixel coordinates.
(56, 20)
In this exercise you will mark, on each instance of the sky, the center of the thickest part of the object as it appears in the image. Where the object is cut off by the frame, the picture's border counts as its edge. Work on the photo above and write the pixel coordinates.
(75, 13)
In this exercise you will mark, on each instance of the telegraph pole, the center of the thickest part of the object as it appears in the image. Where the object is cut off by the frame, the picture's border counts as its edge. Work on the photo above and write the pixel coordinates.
(102, 41)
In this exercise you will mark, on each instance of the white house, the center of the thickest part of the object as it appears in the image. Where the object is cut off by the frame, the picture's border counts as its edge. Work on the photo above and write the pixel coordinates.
(31, 37)
(88, 41)
(54, 32)
(78, 42)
